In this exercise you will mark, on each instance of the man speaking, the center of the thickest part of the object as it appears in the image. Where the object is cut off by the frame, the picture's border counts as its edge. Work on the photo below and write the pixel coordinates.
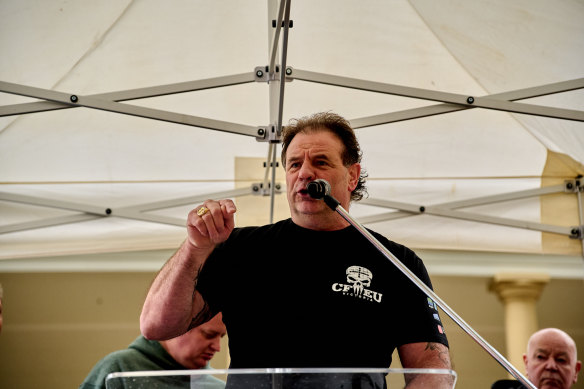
(309, 291)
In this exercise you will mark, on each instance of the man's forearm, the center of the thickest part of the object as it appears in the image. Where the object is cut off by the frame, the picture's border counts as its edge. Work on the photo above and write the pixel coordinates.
(426, 355)
(172, 301)
(427, 380)
(435, 356)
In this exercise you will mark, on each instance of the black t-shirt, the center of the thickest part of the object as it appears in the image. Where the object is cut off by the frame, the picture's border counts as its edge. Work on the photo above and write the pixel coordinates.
(295, 297)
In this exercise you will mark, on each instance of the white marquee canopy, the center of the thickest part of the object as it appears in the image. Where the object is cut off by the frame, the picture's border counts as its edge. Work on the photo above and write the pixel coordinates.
(445, 171)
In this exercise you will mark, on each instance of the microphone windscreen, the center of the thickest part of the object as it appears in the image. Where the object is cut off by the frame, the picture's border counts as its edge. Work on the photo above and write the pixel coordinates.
(317, 189)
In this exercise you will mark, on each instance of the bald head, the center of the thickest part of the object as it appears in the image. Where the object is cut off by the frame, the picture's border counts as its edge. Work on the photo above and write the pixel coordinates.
(551, 360)
(552, 334)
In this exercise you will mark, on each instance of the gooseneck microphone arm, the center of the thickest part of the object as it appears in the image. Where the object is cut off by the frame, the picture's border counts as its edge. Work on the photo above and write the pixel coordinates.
(320, 189)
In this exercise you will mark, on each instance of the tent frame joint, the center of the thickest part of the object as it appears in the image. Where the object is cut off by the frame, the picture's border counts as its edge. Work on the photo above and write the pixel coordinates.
(577, 232)
(269, 134)
(574, 186)
(265, 74)
(258, 189)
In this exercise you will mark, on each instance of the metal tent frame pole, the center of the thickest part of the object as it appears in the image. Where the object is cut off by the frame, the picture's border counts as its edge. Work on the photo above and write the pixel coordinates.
(450, 209)
(273, 74)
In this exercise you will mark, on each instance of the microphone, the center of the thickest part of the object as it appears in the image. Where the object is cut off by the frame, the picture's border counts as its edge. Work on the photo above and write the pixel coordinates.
(317, 189)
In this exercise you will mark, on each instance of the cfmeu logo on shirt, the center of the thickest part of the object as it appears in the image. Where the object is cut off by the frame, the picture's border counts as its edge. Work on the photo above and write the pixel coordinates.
(358, 282)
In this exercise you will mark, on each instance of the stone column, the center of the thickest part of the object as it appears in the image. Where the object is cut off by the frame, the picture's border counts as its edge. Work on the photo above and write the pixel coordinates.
(519, 293)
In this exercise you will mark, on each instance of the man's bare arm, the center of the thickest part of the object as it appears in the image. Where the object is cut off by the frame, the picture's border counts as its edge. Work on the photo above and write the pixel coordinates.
(426, 355)
(173, 304)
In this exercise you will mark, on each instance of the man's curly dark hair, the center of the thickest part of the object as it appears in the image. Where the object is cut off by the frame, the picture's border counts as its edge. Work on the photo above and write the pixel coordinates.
(328, 121)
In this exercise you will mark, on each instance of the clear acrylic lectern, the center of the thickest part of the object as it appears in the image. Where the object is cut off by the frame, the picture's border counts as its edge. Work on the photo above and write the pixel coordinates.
(283, 378)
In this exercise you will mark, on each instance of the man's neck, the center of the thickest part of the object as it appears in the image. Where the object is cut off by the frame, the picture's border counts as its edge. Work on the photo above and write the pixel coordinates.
(331, 222)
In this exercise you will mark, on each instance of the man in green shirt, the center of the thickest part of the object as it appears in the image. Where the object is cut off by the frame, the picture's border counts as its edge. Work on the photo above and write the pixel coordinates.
(193, 350)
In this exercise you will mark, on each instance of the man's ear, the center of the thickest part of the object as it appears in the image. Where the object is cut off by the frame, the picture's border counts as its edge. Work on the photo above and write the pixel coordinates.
(354, 174)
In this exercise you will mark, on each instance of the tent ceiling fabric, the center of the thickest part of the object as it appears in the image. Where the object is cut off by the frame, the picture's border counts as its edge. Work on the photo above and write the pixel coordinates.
(112, 160)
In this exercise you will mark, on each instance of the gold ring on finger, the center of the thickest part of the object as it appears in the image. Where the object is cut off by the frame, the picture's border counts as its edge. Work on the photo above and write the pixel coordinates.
(203, 210)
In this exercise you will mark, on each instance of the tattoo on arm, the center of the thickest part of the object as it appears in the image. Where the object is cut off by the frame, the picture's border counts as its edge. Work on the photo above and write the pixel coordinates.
(431, 346)
(443, 354)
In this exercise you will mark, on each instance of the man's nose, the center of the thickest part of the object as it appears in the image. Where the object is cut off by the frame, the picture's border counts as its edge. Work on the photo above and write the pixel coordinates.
(551, 364)
(306, 171)
(216, 344)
